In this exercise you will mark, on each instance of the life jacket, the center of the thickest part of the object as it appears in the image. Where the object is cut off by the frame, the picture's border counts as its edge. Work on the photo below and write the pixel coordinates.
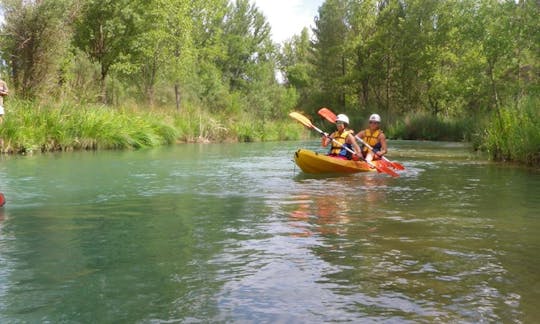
(372, 139)
(339, 150)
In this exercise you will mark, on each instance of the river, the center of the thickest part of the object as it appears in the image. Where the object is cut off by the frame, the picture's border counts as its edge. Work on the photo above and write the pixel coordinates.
(236, 233)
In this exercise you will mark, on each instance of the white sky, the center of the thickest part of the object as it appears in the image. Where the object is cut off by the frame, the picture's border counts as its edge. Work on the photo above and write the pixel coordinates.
(288, 17)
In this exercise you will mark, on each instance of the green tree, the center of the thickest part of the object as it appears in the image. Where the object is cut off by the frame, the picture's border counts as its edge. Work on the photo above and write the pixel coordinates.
(106, 30)
(330, 61)
(247, 38)
(36, 37)
(161, 49)
(295, 62)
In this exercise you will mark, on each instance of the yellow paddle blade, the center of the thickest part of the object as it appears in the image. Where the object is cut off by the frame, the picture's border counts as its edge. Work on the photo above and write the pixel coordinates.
(302, 119)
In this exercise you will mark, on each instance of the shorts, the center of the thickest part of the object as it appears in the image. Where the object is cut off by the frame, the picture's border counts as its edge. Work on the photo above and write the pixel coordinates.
(1, 110)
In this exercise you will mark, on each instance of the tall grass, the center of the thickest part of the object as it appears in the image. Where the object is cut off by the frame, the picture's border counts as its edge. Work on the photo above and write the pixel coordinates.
(513, 133)
(424, 126)
(32, 127)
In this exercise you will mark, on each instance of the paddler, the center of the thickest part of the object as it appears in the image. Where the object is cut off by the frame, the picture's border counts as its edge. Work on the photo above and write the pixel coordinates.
(344, 138)
(3, 92)
(374, 136)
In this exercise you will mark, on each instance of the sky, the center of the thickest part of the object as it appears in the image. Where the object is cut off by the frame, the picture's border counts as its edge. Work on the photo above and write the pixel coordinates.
(288, 17)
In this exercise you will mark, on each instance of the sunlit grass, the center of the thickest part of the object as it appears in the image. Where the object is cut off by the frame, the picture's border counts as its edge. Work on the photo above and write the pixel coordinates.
(514, 133)
(32, 127)
(423, 126)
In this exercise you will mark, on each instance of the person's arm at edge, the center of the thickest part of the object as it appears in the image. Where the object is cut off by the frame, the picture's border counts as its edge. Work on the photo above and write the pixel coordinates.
(326, 140)
(352, 140)
(384, 146)
(4, 89)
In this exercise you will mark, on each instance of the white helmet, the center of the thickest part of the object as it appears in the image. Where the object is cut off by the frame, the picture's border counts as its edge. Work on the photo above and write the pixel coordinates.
(342, 118)
(375, 118)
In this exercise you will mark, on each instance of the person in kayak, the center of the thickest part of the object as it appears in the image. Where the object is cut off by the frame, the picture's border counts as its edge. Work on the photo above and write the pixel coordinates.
(344, 138)
(373, 136)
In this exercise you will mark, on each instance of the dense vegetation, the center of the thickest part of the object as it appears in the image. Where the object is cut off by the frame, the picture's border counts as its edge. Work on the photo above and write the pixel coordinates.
(206, 69)
(69, 126)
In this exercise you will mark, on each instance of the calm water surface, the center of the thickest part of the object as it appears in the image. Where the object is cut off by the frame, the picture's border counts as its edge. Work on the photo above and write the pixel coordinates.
(236, 233)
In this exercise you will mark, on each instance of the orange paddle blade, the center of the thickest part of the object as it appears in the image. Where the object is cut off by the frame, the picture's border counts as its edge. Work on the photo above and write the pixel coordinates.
(389, 171)
(328, 115)
(385, 163)
(397, 166)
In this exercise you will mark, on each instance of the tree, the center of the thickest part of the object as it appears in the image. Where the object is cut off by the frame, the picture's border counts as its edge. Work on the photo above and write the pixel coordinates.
(106, 30)
(160, 50)
(295, 62)
(36, 38)
(330, 60)
(247, 38)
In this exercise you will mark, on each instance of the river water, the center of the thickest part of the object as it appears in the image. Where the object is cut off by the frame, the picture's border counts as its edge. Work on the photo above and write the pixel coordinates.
(236, 233)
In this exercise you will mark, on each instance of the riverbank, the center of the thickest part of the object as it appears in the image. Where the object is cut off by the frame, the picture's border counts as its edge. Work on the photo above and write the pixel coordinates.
(426, 127)
(32, 127)
(513, 133)
(29, 127)
(510, 134)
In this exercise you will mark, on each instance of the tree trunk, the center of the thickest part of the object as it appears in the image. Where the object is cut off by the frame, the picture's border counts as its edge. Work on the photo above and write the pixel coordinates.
(365, 92)
(177, 96)
(103, 85)
(343, 71)
(493, 85)
(387, 84)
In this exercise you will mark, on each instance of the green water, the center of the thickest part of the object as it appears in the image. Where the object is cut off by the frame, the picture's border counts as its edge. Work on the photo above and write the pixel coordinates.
(235, 233)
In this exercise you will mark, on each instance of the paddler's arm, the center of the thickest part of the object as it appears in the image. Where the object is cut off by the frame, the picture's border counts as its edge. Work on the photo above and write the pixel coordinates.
(384, 146)
(326, 139)
(4, 89)
(351, 140)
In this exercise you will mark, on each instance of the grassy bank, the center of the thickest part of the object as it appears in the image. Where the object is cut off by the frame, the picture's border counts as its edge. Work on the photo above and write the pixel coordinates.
(424, 126)
(32, 127)
(513, 134)
(510, 134)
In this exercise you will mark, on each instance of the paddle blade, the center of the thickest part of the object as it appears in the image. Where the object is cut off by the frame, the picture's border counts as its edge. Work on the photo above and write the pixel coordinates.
(301, 119)
(385, 163)
(392, 164)
(383, 169)
(328, 115)
(398, 166)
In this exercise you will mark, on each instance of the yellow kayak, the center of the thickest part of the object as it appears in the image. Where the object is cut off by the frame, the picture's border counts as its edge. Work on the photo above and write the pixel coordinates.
(313, 162)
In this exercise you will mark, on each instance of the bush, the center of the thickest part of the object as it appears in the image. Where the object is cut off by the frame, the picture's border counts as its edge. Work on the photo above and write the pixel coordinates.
(513, 133)
(423, 126)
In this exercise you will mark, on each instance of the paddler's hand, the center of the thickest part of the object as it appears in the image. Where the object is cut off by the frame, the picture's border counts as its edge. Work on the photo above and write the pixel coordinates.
(325, 134)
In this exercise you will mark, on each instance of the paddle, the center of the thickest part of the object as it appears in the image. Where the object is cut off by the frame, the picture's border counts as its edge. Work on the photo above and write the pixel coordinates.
(306, 122)
(331, 117)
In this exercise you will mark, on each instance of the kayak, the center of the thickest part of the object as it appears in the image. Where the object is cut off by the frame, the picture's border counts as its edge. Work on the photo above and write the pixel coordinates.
(313, 162)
